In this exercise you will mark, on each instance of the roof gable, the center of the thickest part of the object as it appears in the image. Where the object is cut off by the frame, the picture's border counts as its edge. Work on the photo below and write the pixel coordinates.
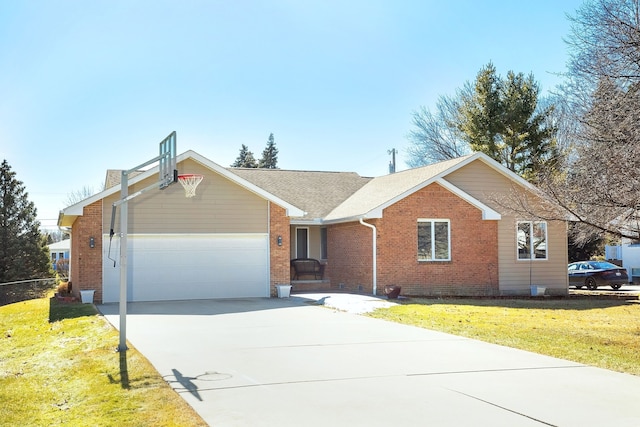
(68, 215)
(324, 196)
(381, 192)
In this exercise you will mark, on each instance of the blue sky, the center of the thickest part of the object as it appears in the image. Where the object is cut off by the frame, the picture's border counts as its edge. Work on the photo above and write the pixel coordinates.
(88, 86)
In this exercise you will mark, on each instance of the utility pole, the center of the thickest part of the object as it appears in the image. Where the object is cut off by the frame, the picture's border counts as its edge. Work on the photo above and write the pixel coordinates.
(392, 163)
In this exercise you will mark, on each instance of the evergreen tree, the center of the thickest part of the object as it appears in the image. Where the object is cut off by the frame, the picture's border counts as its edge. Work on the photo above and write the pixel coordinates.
(245, 159)
(269, 158)
(23, 250)
(501, 119)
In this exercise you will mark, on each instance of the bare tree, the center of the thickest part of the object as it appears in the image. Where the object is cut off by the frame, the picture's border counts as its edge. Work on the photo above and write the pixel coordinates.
(605, 39)
(599, 186)
(79, 195)
(436, 136)
(501, 117)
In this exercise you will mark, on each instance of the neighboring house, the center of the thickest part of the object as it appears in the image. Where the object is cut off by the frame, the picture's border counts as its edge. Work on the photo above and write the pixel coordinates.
(59, 251)
(627, 255)
(436, 230)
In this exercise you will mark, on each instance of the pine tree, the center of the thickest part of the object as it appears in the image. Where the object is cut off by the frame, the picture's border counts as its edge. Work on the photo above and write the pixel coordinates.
(23, 249)
(269, 158)
(245, 159)
(501, 119)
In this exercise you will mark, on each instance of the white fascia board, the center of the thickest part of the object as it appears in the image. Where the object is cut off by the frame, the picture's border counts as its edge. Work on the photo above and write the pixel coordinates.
(77, 208)
(373, 214)
(495, 166)
(303, 221)
(292, 211)
(487, 212)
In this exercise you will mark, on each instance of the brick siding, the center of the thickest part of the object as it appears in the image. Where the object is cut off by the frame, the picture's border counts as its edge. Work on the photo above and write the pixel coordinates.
(279, 255)
(473, 269)
(86, 262)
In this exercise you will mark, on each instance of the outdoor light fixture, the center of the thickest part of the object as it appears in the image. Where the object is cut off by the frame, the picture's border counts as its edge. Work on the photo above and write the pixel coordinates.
(279, 240)
(92, 242)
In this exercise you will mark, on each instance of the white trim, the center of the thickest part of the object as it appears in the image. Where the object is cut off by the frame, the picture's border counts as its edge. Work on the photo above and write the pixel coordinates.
(77, 209)
(531, 249)
(487, 212)
(432, 221)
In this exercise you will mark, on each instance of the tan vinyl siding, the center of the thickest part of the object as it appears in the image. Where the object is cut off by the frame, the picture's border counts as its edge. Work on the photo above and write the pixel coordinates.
(515, 276)
(220, 206)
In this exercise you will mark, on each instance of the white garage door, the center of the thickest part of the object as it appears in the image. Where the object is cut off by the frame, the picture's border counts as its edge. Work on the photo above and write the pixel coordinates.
(197, 266)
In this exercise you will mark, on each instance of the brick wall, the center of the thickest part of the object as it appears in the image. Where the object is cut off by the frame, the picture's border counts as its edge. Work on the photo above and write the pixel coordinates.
(86, 262)
(473, 269)
(349, 248)
(279, 255)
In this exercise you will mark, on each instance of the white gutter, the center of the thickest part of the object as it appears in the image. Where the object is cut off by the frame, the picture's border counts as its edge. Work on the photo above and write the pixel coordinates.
(375, 254)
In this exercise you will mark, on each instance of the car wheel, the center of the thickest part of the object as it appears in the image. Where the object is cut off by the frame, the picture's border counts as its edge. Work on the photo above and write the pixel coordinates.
(616, 287)
(591, 284)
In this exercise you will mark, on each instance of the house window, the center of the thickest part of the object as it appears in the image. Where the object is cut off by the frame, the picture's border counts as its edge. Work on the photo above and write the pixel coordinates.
(532, 240)
(323, 243)
(434, 240)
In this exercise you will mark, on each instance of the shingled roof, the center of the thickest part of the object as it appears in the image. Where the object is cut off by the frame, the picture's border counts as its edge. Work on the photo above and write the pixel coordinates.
(384, 190)
(317, 193)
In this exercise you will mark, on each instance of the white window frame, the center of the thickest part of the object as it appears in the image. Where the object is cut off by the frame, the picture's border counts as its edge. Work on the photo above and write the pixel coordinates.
(532, 252)
(432, 221)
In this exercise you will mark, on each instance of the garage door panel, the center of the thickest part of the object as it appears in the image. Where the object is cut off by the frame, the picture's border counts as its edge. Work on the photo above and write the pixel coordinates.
(172, 267)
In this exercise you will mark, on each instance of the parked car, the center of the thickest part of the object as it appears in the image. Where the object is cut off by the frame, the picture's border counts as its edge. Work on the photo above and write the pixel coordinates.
(596, 273)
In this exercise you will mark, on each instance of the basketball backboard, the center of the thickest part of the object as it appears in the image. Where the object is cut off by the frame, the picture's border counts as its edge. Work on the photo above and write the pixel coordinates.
(168, 173)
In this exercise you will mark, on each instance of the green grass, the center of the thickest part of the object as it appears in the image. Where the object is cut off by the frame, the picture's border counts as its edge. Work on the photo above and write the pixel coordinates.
(603, 333)
(58, 366)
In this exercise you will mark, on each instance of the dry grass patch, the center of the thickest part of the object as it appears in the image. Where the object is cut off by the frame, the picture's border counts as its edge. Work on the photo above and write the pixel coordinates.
(58, 366)
(603, 333)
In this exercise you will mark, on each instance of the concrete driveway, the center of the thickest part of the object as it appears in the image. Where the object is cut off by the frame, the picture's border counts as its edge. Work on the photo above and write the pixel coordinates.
(292, 362)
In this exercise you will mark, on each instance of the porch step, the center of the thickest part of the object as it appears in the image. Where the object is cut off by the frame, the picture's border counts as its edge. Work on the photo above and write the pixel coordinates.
(310, 285)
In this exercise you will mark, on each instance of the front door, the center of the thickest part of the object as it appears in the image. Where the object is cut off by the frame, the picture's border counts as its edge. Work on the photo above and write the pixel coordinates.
(302, 242)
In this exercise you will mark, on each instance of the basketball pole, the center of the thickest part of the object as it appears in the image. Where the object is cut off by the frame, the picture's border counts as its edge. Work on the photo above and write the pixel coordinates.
(166, 159)
(124, 224)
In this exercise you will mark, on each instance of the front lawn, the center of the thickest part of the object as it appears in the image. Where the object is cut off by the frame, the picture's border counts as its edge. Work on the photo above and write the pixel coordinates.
(603, 333)
(58, 366)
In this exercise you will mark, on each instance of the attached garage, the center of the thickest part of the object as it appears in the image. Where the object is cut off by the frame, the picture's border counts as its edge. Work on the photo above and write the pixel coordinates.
(226, 242)
(192, 266)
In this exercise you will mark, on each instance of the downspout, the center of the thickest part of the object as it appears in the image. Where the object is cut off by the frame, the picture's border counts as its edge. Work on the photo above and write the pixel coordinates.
(375, 254)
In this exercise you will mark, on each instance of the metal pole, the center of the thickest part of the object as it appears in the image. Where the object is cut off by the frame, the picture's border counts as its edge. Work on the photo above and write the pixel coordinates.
(124, 216)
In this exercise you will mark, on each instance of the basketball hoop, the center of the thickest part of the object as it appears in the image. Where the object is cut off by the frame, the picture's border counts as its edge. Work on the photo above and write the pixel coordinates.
(190, 182)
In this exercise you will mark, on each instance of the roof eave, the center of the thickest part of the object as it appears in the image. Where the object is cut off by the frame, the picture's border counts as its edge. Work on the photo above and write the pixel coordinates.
(372, 214)
(291, 210)
(488, 213)
(77, 209)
